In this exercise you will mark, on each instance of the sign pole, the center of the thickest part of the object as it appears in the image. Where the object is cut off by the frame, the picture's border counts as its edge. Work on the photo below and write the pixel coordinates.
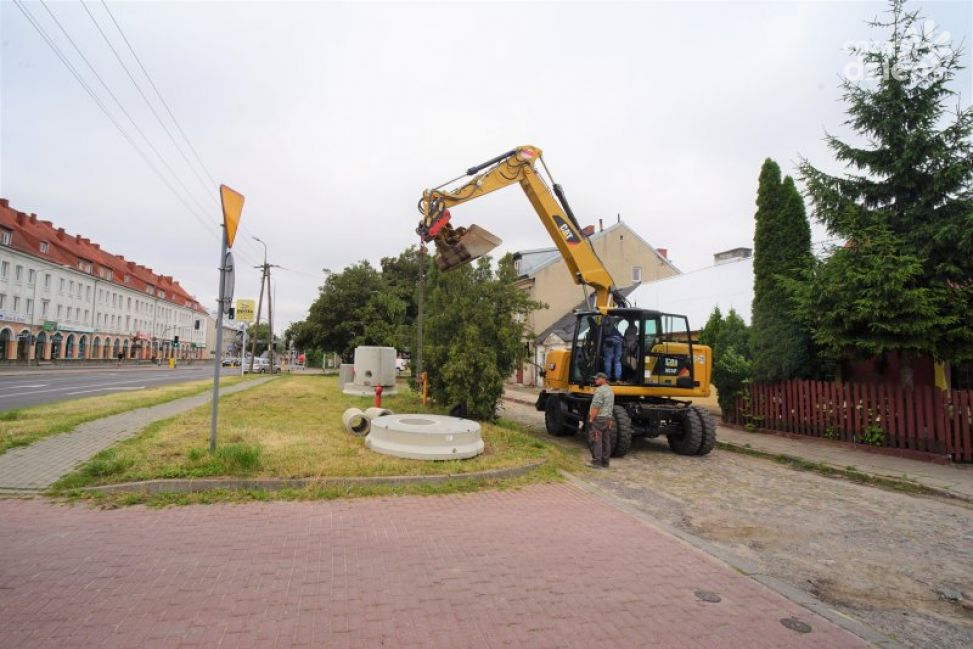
(232, 203)
(218, 364)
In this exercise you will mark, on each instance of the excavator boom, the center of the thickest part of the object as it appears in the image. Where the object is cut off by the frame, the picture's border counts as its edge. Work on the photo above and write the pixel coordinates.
(458, 245)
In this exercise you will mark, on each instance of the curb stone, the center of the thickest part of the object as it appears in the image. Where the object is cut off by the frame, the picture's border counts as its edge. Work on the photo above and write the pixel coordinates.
(796, 595)
(277, 484)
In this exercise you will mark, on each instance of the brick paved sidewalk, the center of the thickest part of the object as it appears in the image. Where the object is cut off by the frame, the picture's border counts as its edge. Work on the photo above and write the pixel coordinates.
(544, 566)
(954, 479)
(38, 466)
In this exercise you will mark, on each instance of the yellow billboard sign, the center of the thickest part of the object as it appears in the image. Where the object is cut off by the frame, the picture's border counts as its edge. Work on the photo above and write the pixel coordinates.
(244, 310)
(232, 208)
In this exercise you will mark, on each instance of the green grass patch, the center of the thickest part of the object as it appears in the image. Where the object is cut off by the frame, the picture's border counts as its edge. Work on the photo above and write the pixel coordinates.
(27, 425)
(291, 428)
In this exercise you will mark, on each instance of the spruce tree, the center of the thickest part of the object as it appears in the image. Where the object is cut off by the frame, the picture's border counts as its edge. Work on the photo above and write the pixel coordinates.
(782, 250)
(904, 280)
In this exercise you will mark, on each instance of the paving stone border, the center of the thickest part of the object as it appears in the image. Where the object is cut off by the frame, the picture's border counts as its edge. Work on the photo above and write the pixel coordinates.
(276, 484)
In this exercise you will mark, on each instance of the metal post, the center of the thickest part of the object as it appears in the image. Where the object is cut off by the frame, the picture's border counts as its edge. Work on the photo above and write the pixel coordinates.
(417, 369)
(218, 364)
(243, 349)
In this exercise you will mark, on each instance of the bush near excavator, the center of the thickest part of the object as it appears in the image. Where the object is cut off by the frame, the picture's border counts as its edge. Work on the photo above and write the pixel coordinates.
(475, 331)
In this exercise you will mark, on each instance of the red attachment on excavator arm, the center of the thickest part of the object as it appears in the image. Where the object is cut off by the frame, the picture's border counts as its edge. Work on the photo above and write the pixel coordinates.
(439, 223)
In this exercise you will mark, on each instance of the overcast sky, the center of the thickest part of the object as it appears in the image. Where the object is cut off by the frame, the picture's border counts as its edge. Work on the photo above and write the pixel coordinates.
(332, 117)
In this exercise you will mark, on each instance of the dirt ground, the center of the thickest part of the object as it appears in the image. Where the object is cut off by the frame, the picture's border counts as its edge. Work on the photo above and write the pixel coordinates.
(890, 560)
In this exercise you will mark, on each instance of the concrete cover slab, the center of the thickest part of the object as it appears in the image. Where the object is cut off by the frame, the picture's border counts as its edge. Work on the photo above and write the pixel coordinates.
(425, 437)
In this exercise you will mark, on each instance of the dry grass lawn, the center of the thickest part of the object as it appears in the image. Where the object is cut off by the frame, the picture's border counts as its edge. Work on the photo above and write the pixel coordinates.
(27, 425)
(291, 428)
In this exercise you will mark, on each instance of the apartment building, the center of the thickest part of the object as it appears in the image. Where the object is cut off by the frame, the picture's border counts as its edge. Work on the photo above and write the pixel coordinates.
(64, 298)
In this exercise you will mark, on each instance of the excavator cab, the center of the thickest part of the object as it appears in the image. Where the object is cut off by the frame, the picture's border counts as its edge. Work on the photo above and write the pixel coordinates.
(635, 347)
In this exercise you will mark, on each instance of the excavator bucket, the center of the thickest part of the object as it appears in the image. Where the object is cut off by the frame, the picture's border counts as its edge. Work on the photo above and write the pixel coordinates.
(474, 242)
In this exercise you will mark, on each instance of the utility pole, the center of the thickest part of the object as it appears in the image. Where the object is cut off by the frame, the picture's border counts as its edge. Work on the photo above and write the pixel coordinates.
(260, 303)
(270, 323)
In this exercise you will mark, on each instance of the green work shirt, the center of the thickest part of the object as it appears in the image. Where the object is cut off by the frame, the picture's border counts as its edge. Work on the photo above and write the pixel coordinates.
(604, 401)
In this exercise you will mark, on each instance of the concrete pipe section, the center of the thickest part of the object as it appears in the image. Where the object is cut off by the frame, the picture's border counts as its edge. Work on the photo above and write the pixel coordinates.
(356, 422)
(425, 437)
(374, 412)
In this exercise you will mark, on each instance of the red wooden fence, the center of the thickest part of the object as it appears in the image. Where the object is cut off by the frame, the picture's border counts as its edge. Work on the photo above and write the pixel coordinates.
(923, 419)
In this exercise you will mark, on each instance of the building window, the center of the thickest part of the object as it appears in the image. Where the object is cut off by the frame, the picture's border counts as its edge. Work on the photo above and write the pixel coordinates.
(69, 313)
(86, 315)
(6, 236)
(105, 273)
(30, 275)
(61, 286)
(44, 305)
(128, 304)
(636, 274)
(3, 299)
(4, 269)
(60, 310)
(128, 278)
(30, 306)
(84, 265)
(162, 294)
(16, 303)
(150, 290)
(43, 246)
(47, 281)
(19, 273)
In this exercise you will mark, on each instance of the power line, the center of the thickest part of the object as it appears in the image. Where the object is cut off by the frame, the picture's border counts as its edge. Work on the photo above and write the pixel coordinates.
(138, 88)
(158, 94)
(119, 104)
(165, 104)
(94, 97)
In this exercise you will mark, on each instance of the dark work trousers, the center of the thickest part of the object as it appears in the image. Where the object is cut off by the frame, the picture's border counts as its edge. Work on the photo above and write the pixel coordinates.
(600, 439)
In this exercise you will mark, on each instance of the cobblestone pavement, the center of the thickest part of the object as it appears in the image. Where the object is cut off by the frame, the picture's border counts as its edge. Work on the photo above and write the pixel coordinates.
(38, 466)
(900, 563)
(543, 566)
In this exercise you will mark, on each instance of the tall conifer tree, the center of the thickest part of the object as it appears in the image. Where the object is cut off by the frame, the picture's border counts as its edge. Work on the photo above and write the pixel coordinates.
(904, 279)
(782, 250)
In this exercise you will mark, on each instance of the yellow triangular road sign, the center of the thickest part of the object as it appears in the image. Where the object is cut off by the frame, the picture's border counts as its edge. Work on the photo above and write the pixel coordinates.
(232, 207)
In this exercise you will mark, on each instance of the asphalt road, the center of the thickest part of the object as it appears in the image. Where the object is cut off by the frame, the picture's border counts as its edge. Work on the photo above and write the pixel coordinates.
(18, 390)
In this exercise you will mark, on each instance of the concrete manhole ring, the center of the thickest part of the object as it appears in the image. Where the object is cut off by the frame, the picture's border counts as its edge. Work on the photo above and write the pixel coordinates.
(425, 437)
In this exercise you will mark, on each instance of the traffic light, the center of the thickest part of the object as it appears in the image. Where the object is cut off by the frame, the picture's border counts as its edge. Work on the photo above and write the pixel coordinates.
(231, 314)
(196, 325)
(175, 340)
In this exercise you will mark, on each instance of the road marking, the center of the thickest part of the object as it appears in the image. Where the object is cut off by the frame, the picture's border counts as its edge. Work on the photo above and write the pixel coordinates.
(28, 385)
(138, 387)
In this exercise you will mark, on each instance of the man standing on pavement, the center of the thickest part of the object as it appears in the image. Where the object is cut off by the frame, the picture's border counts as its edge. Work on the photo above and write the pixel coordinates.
(600, 422)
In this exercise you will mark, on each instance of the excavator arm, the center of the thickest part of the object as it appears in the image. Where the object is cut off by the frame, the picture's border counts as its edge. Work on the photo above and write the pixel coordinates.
(458, 245)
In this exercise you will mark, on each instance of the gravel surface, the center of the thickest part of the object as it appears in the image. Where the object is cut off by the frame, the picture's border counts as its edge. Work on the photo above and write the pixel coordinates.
(894, 561)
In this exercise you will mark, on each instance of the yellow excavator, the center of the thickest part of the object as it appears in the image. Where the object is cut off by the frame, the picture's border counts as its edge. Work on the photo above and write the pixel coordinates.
(660, 370)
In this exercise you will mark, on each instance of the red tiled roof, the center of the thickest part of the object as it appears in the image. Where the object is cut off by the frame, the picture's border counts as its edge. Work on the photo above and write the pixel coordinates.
(67, 250)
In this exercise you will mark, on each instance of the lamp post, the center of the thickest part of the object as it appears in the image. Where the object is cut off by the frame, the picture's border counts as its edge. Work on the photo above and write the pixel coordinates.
(270, 311)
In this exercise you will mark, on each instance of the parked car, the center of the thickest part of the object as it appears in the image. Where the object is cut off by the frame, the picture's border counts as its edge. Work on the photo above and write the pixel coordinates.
(261, 366)
(231, 361)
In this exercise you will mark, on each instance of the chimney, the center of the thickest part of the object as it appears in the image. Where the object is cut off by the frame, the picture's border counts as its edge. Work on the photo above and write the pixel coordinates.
(77, 238)
(97, 246)
(731, 255)
(60, 233)
(21, 217)
(663, 252)
(131, 264)
(33, 218)
(619, 218)
(4, 202)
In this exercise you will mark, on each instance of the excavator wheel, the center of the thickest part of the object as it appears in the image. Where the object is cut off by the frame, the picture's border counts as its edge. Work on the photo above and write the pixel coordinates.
(621, 432)
(691, 439)
(709, 429)
(554, 419)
